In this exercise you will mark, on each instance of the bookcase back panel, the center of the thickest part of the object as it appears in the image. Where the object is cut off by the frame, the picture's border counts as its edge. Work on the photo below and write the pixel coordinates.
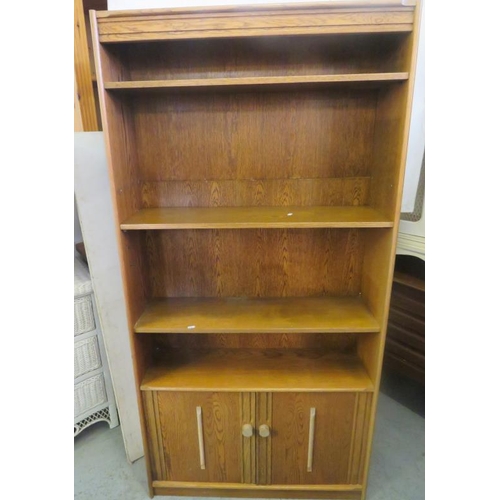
(342, 343)
(260, 135)
(254, 263)
(348, 191)
(261, 56)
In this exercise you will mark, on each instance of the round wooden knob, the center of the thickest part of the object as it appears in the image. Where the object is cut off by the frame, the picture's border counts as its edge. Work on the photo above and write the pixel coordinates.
(264, 431)
(247, 430)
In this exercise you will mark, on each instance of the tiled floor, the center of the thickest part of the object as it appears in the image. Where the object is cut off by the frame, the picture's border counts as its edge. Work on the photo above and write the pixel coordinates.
(396, 473)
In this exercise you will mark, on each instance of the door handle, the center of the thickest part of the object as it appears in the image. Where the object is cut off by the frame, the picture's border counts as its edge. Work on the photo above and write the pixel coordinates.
(247, 430)
(201, 444)
(310, 448)
(264, 431)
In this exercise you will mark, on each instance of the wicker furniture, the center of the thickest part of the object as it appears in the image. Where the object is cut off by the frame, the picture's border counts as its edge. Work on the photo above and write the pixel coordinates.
(94, 400)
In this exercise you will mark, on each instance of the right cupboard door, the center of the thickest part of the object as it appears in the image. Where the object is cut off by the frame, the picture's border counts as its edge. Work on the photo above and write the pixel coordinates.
(318, 438)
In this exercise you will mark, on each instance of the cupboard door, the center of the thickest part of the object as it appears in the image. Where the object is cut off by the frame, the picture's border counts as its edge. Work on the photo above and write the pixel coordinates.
(195, 436)
(319, 438)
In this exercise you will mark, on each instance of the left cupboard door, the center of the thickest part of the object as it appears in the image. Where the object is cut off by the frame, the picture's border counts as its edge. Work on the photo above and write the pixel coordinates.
(195, 436)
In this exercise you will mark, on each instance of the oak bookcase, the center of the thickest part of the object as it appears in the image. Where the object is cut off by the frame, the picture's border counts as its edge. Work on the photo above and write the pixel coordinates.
(256, 157)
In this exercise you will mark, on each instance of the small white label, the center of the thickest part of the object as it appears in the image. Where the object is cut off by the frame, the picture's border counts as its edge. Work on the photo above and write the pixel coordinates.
(190, 327)
(288, 215)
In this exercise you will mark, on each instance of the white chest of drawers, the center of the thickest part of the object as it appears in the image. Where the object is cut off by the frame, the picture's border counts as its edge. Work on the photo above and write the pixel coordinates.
(94, 398)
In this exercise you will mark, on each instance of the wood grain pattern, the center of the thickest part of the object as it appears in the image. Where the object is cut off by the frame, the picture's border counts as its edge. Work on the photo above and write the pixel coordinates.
(335, 414)
(377, 265)
(412, 282)
(402, 351)
(397, 363)
(346, 191)
(257, 370)
(342, 343)
(83, 71)
(78, 122)
(406, 297)
(274, 142)
(391, 136)
(407, 337)
(248, 23)
(408, 320)
(267, 135)
(259, 32)
(341, 492)
(405, 345)
(126, 194)
(254, 218)
(361, 424)
(241, 315)
(254, 262)
(221, 432)
(393, 117)
(256, 23)
(388, 147)
(264, 402)
(248, 413)
(217, 10)
(278, 56)
(156, 451)
(255, 80)
(125, 197)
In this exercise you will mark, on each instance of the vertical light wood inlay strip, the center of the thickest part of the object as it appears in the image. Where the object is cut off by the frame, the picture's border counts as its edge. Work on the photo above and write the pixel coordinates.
(310, 448)
(264, 416)
(248, 443)
(357, 438)
(159, 437)
(353, 434)
(201, 444)
(366, 428)
(269, 407)
(244, 403)
(253, 413)
(152, 433)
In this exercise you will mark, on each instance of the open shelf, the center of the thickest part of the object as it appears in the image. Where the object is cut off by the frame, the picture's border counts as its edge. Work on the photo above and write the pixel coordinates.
(269, 315)
(256, 81)
(258, 370)
(256, 217)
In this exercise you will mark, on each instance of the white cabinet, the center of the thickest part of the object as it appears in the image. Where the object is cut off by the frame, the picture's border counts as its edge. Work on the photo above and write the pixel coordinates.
(94, 399)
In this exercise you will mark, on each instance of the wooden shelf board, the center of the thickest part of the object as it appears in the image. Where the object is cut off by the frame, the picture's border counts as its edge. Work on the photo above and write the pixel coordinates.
(255, 218)
(258, 370)
(256, 80)
(269, 315)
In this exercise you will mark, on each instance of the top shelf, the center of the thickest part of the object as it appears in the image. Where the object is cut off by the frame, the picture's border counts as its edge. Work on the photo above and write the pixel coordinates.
(368, 16)
(257, 81)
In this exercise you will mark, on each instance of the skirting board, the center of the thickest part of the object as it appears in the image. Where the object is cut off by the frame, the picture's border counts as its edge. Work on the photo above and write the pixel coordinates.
(173, 488)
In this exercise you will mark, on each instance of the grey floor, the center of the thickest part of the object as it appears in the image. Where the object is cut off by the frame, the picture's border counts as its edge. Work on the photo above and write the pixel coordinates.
(396, 473)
